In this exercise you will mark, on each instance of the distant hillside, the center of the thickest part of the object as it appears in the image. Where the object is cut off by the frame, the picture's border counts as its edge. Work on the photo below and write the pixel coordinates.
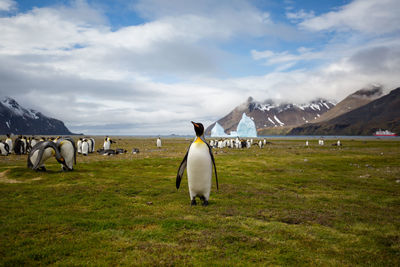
(271, 117)
(18, 120)
(382, 113)
(352, 102)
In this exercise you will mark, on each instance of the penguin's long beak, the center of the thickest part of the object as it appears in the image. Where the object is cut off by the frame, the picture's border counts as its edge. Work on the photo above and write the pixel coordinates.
(195, 124)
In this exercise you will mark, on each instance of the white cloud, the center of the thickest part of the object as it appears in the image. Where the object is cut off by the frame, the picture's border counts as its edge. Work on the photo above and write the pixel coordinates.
(155, 77)
(284, 59)
(7, 5)
(300, 15)
(366, 16)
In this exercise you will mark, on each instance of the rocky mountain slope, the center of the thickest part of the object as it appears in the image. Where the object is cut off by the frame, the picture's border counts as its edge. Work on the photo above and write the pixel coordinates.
(18, 120)
(269, 115)
(382, 113)
(352, 102)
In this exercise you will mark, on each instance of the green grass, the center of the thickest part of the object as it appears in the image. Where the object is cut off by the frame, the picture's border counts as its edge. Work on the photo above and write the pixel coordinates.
(282, 205)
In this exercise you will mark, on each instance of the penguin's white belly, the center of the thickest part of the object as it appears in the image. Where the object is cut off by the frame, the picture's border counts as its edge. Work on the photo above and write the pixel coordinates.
(85, 148)
(33, 143)
(9, 143)
(47, 153)
(3, 149)
(67, 152)
(79, 146)
(158, 143)
(199, 170)
(106, 145)
(90, 144)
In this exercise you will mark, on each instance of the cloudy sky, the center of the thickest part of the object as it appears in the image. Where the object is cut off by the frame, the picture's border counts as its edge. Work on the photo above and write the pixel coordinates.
(151, 66)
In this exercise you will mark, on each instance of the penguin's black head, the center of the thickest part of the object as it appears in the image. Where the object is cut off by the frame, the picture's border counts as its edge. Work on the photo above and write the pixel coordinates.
(198, 128)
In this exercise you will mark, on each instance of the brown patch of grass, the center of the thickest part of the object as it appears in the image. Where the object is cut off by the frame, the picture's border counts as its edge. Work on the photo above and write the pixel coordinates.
(4, 179)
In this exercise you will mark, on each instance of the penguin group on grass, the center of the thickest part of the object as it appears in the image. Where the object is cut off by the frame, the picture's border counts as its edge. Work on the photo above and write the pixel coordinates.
(198, 160)
(237, 143)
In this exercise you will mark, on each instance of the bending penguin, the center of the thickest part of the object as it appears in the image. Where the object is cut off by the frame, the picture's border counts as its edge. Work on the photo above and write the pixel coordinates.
(199, 161)
(4, 148)
(41, 152)
(67, 150)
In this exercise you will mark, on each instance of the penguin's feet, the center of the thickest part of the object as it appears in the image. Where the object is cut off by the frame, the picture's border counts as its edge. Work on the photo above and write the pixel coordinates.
(204, 200)
(41, 169)
(193, 202)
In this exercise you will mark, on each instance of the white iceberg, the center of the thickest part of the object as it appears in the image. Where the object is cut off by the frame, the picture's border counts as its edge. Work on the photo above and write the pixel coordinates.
(246, 127)
(218, 131)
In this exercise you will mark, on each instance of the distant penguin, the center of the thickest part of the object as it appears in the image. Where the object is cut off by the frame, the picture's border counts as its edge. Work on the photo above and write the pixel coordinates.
(4, 149)
(260, 144)
(120, 151)
(158, 142)
(199, 161)
(264, 142)
(93, 145)
(85, 147)
(41, 152)
(79, 146)
(9, 142)
(90, 144)
(107, 143)
(25, 144)
(338, 143)
(307, 143)
(33, 142)
(67, 149)
(18, 146)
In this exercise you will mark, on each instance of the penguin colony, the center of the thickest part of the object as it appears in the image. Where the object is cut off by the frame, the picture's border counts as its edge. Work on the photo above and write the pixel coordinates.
(199, 160)
(237, 143)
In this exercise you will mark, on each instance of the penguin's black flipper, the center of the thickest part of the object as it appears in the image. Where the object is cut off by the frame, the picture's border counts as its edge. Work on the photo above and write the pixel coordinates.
(213, 161)
(181, 170)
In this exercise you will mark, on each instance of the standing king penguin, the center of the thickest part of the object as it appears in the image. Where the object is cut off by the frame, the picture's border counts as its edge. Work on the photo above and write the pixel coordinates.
(199, 160)
(9, 143)
(158, 142)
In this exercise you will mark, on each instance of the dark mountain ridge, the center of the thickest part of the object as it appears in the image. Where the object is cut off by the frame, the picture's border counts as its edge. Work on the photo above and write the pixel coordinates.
(15, 119)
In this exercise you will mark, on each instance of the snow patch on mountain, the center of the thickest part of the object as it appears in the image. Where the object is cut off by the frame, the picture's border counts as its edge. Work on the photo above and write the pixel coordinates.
(17, 110)
(276, 118)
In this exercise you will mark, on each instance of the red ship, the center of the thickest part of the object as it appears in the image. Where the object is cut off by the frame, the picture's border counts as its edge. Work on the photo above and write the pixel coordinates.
(384, 133)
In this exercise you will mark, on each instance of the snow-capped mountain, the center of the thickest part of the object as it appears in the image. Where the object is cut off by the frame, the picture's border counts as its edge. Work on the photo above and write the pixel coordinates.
(381, 113)
(268, 114)
(18, 120)
(352, 102)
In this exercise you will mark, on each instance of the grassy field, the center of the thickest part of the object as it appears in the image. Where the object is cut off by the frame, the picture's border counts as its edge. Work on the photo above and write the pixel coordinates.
(282, 205)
